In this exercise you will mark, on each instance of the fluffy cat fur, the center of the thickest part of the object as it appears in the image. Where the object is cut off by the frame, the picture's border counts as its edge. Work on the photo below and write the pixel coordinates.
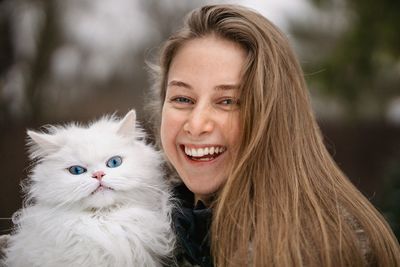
(68, 220)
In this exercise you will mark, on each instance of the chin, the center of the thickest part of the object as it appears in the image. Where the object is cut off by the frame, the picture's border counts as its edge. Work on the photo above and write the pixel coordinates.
(202, 190)
(100, 200)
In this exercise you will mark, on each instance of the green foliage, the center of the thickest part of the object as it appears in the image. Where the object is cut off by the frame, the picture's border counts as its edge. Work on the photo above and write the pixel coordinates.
(364, 64)
(391, 199)
(360, 66)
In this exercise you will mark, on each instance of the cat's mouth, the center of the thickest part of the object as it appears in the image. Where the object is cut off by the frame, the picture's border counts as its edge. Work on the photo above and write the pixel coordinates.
(102, 188)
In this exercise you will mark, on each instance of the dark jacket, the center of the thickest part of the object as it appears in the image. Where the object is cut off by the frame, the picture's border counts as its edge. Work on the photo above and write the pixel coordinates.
(191, 224)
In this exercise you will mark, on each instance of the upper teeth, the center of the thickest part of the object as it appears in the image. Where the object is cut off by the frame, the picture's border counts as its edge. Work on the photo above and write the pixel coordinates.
(200, 152)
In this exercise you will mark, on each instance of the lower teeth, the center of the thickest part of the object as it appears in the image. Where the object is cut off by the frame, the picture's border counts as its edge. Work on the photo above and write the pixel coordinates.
(202, 159)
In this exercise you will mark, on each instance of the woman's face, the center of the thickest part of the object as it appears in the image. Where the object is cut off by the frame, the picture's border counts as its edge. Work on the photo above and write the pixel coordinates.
(200, 116)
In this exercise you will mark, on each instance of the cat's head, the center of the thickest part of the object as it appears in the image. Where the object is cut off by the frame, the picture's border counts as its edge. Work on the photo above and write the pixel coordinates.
(94, 166)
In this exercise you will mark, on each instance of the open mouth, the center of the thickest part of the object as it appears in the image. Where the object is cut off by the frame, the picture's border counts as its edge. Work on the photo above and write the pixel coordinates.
(203, 154)
(101, 188)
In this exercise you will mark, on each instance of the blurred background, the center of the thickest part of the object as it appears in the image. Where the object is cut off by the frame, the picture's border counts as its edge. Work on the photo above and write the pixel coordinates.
(78, 59)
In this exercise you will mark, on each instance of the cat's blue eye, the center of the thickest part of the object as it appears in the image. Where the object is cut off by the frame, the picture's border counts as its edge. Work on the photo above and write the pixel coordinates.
(114, 162)
(76, 170)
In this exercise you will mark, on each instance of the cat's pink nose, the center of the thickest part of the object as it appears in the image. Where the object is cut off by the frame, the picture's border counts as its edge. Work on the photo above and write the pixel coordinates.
(98, 175)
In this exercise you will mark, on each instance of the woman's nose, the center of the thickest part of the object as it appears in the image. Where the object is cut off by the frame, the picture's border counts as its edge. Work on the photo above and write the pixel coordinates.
(200, 121)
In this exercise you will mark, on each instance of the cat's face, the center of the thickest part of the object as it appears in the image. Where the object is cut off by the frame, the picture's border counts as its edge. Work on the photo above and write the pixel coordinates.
(94, 167)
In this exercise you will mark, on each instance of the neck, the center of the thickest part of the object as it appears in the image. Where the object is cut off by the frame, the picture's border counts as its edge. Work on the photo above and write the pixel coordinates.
(206, 199)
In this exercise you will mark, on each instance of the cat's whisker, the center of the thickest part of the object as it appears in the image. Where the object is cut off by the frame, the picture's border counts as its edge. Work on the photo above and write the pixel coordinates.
(154, 187)
(81, 191)
(68, 203)
(83, 187)
(123, 181)
(142, 185)
(57, 207)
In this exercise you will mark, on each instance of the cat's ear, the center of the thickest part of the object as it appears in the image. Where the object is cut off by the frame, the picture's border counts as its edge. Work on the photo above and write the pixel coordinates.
(127, 125)
(41, 144)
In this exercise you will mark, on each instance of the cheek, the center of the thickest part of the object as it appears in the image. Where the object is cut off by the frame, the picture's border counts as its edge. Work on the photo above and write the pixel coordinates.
(231, 129)
(169, 130)
(164, 134)
(59, 187)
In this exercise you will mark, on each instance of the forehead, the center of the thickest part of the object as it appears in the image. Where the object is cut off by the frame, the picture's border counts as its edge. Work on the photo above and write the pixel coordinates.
(210, 58)
(89, 143)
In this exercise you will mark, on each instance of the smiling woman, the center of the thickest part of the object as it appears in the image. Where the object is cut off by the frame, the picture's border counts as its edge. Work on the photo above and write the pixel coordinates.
(235, 122)
(202, 104)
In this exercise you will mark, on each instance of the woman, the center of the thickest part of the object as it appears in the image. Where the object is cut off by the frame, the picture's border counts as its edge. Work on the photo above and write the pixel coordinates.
(237, 127)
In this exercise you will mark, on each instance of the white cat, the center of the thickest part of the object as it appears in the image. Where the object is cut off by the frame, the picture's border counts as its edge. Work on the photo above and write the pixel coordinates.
(96, 197)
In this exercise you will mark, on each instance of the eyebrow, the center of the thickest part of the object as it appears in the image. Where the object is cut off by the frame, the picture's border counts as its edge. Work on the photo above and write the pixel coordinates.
(221, 87)
(225, 87)
(179, 84)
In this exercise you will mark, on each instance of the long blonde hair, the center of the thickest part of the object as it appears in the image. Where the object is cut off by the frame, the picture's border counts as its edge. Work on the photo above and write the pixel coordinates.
(285, 202)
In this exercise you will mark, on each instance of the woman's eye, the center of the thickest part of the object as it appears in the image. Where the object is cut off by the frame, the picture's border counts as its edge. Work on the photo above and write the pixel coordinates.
(76, 170)
(114, 162)
(182, 100)
(229, 102)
